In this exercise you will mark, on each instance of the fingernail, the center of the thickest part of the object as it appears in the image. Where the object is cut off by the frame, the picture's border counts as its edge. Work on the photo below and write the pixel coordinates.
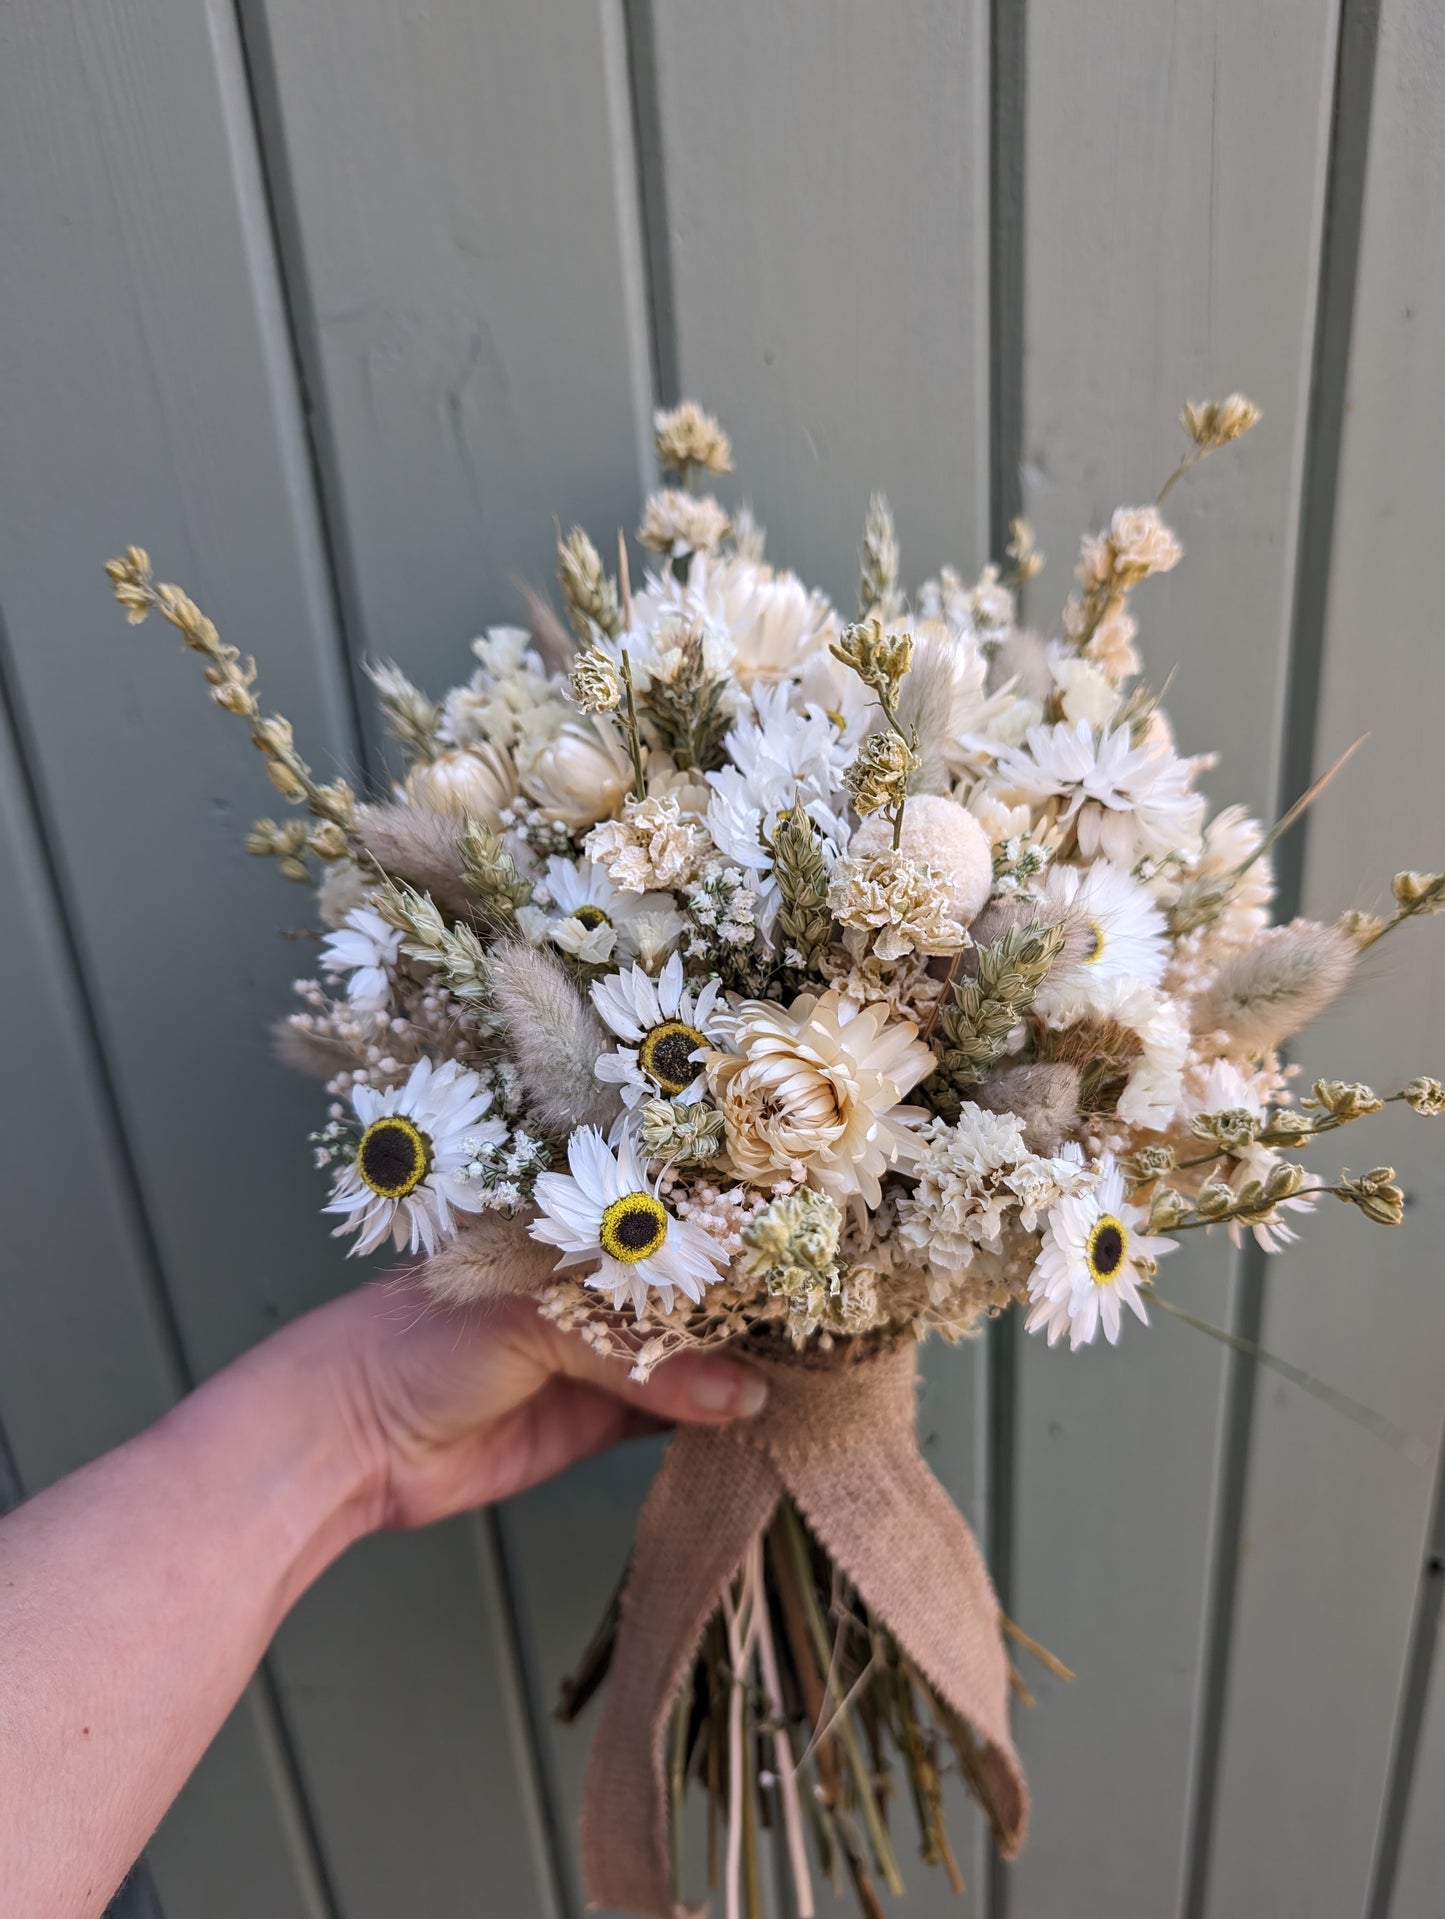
(728, 1389)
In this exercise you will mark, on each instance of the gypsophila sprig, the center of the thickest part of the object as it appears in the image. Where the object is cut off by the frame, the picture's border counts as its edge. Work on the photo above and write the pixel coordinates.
(754, 975)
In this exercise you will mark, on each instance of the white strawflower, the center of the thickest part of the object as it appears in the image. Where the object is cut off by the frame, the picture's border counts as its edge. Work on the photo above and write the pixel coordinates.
(605, 1213)
(973, 1178)
(756, 623)
(1128, 802)
(1124, 937)
(409, 1171)
(776, 757)
(363, 950)
(813, 1092)
(1092, 1259)
(902, 901)
(664, 1025)
(477, 782)
(572, 765)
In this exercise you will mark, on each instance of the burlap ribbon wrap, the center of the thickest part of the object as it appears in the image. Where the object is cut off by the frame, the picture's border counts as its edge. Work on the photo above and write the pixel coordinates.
(840, 1440)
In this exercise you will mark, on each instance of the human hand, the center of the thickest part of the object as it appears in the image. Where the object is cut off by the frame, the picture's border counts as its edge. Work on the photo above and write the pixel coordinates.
(457, 1407)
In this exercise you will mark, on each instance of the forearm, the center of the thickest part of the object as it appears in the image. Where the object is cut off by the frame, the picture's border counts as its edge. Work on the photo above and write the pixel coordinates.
(137, 1597)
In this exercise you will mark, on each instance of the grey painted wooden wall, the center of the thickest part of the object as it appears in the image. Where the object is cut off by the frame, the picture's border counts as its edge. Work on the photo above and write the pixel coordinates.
(334, 306)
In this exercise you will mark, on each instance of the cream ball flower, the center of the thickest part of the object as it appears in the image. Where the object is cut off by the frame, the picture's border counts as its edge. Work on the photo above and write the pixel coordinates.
(1092, 1259)
(605, 1213)
(813, 1092)
(410, 1171)
(573, 766)
(940, 833)
(476, 782)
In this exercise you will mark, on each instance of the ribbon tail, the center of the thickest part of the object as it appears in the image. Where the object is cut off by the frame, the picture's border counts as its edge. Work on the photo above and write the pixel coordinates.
(711, 1499)
(888, 1524)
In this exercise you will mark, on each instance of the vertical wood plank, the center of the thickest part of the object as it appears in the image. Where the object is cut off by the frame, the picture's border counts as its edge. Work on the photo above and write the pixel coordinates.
(1334, 1524)
(1420, 1872)
(819, 176)
(457, 191)
(825, 186)
(149, 391)
(1155, 271)
(86, 1354)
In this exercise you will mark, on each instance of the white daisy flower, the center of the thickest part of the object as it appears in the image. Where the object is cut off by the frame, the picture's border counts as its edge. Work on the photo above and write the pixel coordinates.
(665, 1026)
(606, 1213)
(1126, 937)
(1129, 802)
(410, 1166)
(588, 916)
(364, 948)
(1093, 1255)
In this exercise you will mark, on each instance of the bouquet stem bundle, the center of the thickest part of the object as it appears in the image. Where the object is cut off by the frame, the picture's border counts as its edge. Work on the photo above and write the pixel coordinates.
(792, 1718)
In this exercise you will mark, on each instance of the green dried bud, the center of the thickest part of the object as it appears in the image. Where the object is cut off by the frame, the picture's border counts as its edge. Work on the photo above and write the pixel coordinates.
(1149, 1163)
(1167, 1211)
(1426, 1095)
(1233, 1129)
(1375, 1194)
(879, 658)
(878, 591)
(680, 1135)
(1284, 1180)
(1217, 1201)
(1343, 1100)
(879, 777)
(805, 923)
(1285, 1127)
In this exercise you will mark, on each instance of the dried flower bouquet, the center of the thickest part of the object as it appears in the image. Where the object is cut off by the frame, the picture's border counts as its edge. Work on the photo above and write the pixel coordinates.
(727, 971)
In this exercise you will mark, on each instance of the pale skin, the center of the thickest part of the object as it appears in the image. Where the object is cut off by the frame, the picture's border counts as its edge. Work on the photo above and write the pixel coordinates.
(138, 1595)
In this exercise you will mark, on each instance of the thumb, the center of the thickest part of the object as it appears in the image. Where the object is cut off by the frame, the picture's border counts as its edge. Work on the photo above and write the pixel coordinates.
(692, 1388)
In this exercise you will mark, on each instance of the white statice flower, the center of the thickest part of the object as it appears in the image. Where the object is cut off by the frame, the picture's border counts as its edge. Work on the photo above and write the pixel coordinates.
(777, 756)
(409, 1172)
(903, 902)
(509, 684)
(572, 765)
(813, 1092)
(1220, 1086)
(1128, 802)
(663, 1025)
(1093, 1257)
(679, 523)
(654, 847)
(588, 917)
(1124, 937)
(363, 950)
(605, 1213)
(973, 1178)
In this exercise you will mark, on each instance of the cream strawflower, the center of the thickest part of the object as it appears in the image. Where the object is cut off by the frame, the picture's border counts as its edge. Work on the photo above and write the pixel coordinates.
(364, 949)
(1093, 1257)
(1128, 802)
(665, 1026)
(477, 782)
(409, 1172)
(605, 1213)
(813, 1092)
